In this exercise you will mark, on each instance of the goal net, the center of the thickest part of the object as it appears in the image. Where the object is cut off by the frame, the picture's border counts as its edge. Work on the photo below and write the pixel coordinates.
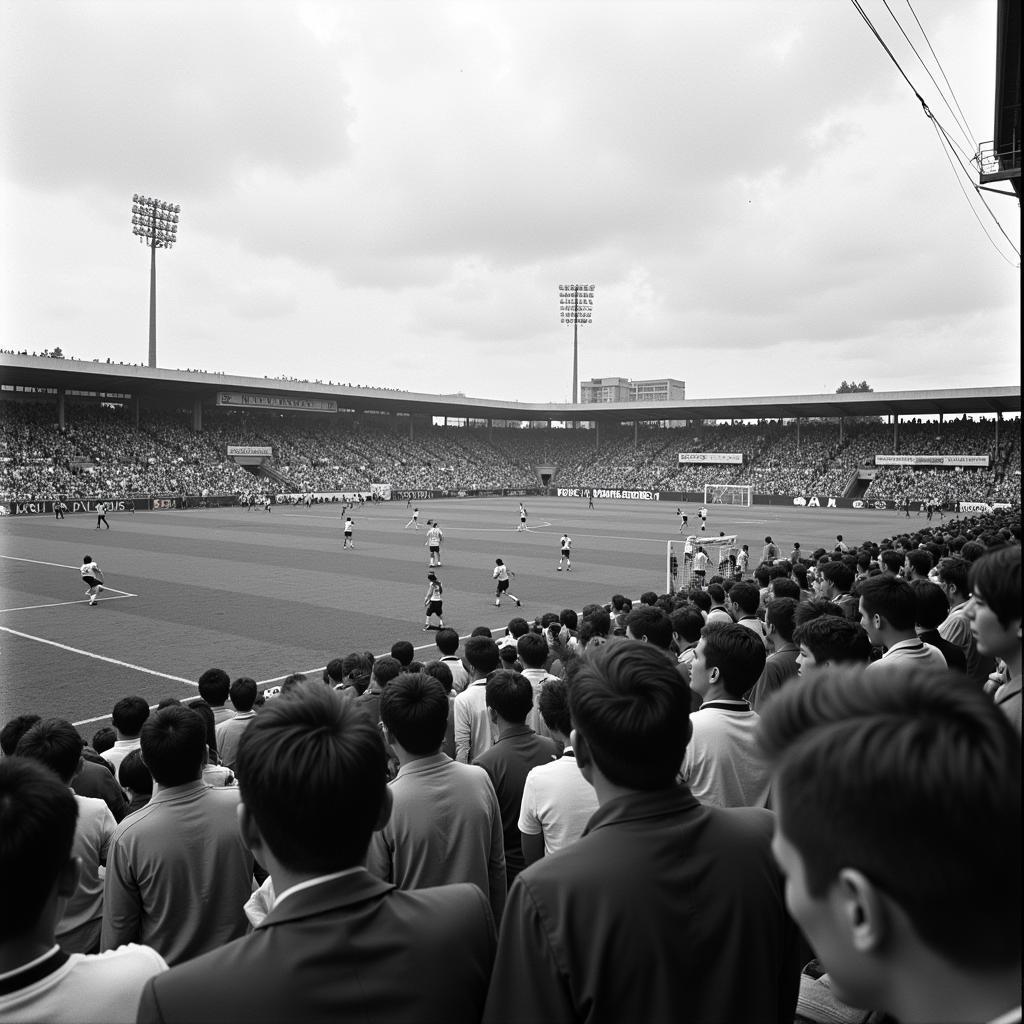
(683, 561)
(728, 494)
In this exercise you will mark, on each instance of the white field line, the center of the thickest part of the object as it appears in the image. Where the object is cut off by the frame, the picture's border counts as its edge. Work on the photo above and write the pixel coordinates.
(60, 604)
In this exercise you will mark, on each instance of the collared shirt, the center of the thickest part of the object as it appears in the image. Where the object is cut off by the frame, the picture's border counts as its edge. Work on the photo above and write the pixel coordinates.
(78, 930)
(229, 735)
(460, 675)
(473, 732)
(557, 803)
(120, 750)
(911, 652)
(310, 882)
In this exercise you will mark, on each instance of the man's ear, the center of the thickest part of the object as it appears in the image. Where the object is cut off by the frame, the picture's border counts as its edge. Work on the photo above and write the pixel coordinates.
(251, 835)
(385, 810)
(583, 756)
(863, 910)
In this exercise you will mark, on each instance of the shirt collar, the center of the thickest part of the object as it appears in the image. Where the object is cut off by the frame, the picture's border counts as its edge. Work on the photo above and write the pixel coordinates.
(423, 764)
(310, 882)
(635, 806)
(173, 792)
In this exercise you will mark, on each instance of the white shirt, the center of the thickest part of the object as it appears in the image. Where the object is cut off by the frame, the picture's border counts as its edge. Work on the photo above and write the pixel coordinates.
(566, 542)
(78, 930)
(348, 525)
(472, 723)
(557, 803)
(912, 652)
(91, 569)
(120, 750)
(501, 572)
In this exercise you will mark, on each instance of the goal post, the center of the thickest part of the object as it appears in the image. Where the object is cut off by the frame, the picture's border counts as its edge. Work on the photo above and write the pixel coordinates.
(679, 561)
(728, 494)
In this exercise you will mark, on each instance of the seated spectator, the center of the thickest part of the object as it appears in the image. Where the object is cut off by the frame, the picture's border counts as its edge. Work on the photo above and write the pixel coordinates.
(39, 981)
(909, 913)
(557, 800)
(571, 939)
(722, 765)
(243, 694)
(996, 619)
(338, 944)
(56, 744)
(828, 641)
(445, 823)
(931, 608)
(184, 841)
(888, 612)
(781, 666)
(103, 739)
(516, 750)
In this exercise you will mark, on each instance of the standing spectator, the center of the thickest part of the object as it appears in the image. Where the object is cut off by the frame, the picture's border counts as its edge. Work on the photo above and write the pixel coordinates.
(769, 552)
(447, 641)
(39, 981)
(953, 576)
(743, 602)
(533, 653)
(214, 688)
(899, 800)
(338, 943)
(827, 641)
(574, 935)
(931, 608)
(445, 823)
(55, 743)
(243, 694)
(128, 717)
(836, 583)
(557, 800)
(473, 732)
(888, 612)
(184, 842)
(516, 750)
(781, 666)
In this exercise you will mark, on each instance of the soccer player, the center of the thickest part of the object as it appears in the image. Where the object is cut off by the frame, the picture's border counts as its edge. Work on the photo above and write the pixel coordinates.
(432, 602)
(703, 513)
(565, 546)
(414, 521)
(59, 508)
(502, 573)
(92, 577)
(683, 519)
(101, 515)
(433, 543)
(522, 518)
(349, 524)
(700, 566)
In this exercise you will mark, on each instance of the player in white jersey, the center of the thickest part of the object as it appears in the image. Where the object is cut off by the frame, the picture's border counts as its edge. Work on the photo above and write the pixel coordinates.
(92, 577)
(502, 573)
(565, 547)
(349, 525)
(522, 517)
(101, 515)
(432, 602)
(683, 519)
(433, 543)
(415, 521)
(703, 513)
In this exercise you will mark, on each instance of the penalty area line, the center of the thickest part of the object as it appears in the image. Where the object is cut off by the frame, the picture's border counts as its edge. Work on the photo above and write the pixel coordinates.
(61, 604)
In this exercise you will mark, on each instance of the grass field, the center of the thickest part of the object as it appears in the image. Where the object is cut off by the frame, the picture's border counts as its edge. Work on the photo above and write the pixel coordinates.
(265, 595)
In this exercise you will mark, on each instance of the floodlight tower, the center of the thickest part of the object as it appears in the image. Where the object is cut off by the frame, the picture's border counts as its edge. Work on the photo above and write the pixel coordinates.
(156, 224)
(576, 302)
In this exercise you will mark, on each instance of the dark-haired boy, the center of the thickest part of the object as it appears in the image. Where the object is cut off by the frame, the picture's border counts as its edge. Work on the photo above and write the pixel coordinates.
(516, 750)
(830, 640)
(128, 717)
(215, 688)
(899, 800)
(473, 732)
(445, 823)
(38, 871)
(722, 765)
(338, 943)
(655, 886)
(781, 666)
(931, 609)
(243, 694)
(447, 641)
(888, 612)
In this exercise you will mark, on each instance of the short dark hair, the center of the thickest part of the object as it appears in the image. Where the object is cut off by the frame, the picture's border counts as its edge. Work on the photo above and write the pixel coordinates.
(648, 597)
(782, 612)
(807, 610)
(871, 769)
(299, 758)
(892, 560)
(737, 652)
(334, 671)
(652, 624)
(357, 667)
(834, 638)
(214, 685)
(441, 672)
(133, 773)
(840, 575)
(38, 817)
(243, 693)
(12, 732)
(56, 743)
(700, 599)
(891, 598)
(956, 571)
(628, 705)
(533, 650)
(103, 738)
(687, 622)
(920, 561)
(129, 715)
(930, 603)
(482, 653)
(385, 669)
(568, 618)
(553, 704)
(783, 586)
(972, 550)
(414, 707)
(173, 742)
(746, 597)
(717, 593)
(995, 577)
(447, 641)
(403, 651)
(598, 620)
(510, 694)
(517, 627)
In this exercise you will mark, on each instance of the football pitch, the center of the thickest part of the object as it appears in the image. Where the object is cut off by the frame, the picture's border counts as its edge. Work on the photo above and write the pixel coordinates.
(267, 594)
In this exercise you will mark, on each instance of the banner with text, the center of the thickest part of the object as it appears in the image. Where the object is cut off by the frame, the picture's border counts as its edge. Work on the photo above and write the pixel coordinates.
(251, 449)
(932, 460)
(241, 400)
(601, 492)
(711, 458)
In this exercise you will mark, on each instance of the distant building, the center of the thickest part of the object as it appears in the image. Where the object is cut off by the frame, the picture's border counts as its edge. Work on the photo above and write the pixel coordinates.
(621, 389)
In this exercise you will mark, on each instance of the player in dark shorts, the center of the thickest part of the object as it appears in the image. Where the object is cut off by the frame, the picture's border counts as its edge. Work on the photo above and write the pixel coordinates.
(502, 573)
(92, 577)
(432, 602)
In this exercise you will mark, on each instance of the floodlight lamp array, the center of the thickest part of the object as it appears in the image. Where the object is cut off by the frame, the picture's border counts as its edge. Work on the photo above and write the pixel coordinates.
(154, 221)
(576, 303)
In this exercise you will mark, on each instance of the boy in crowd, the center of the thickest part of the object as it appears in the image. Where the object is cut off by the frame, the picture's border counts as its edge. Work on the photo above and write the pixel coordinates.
(827, 641)
(888, 612)
(781, 666)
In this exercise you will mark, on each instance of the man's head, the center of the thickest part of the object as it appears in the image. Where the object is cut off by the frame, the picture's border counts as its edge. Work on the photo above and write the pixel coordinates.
(13, 730)
(553, 704)
(214, 685)
(930, 603)
(918, 563)
(414, 710)
(509, 696)
(887, 609)
(447, 641)
(174, 745)
(953, 574)
(517, 627)
(243, 694)
(687, 624)
(133, 774)
(651, 625)
(996, 609)
(783, 586)
(334, 672)
(441, 672)
(730, 656)
(56, 743)
(481, 655)
(631, 715)
(717, 594)
(385, 669)
(892, 562)
(780, 620)
(128, 716)
(830, 640)
(744, 598)
(533, 650)
(402, 651)
(312, 772)
(837, 578)
(870, 774)
(38, 816)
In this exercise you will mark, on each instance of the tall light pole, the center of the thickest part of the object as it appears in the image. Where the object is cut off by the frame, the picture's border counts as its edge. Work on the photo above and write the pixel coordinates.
(576, 302)
(156, 224)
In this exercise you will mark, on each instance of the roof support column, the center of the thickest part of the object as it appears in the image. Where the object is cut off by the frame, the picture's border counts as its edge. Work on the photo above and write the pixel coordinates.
(636, 433)
(895, 432)
(135, 410)
(197, 415)
(60, 409)
(840, 429)
(798, 433)
(999, 419)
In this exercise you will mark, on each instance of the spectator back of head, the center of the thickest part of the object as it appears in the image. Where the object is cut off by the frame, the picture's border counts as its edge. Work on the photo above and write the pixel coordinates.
(54, 742)
(173, 743)
(414, 709)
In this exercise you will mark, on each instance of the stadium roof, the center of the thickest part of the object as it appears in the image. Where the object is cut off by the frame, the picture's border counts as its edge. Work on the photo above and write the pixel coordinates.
(24, 371)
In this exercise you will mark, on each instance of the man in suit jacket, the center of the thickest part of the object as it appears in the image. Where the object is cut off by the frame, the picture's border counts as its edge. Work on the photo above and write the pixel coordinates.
(338, 943)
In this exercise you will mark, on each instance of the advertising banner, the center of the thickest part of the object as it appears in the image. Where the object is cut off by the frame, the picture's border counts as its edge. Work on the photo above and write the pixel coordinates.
(932, 460)
(711, 458)
(242, 400)
(251, 449)
(601, 492)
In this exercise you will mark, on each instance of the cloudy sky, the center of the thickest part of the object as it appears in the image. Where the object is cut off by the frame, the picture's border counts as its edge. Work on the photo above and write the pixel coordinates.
(389, 193)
